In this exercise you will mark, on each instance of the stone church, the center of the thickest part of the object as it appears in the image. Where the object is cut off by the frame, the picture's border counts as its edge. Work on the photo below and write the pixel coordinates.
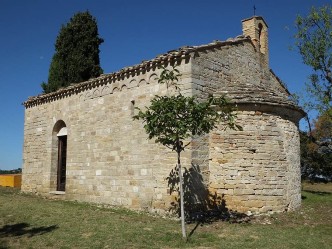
(81, 142)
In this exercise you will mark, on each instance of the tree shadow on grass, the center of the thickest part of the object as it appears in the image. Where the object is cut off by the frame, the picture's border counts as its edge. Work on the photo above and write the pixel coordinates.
(318, 192)
(201, 206)
(20, 229)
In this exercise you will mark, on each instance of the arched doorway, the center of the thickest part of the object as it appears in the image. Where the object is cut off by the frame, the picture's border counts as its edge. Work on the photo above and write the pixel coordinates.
(59, 157)
(62, 156)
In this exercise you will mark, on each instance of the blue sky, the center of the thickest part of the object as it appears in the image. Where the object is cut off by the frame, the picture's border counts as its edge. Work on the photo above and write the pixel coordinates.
(133, 31)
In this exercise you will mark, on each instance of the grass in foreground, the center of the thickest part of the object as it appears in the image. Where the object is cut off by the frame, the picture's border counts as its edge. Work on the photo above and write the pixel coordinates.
(32, 222)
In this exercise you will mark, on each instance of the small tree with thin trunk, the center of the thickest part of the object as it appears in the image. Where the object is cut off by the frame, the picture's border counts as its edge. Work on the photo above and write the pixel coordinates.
(172, 120)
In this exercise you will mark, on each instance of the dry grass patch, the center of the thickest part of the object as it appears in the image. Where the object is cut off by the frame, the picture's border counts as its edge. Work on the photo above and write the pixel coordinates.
(317, 187)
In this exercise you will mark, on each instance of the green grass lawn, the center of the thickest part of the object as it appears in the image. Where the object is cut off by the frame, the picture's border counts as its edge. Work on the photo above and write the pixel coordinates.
(33, 222)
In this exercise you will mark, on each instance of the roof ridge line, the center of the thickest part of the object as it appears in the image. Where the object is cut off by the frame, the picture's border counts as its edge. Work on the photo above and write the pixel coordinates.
(171, 55)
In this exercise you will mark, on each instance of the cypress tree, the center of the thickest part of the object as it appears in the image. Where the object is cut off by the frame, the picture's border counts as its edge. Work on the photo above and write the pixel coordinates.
(76, 57)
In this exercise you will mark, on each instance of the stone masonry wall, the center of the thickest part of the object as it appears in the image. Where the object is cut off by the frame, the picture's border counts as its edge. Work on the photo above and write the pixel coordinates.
(253, 168)
(109, 157)
(256, 169)
(291, 139)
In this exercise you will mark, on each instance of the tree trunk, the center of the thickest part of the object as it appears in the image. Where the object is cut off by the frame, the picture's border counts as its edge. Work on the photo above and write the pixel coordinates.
(184, 235)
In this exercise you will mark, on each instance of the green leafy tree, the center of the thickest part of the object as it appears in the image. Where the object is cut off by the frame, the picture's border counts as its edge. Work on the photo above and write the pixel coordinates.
(11, 171)
(323, 127)
(172, 120)
(316, 150)
(314, 41)
(76, 57)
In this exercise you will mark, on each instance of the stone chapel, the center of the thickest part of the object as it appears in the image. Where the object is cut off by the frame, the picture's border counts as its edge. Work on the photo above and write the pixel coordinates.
(81, 142)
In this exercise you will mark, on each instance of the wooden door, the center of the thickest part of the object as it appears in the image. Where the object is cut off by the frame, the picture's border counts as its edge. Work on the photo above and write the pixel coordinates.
(62, 153)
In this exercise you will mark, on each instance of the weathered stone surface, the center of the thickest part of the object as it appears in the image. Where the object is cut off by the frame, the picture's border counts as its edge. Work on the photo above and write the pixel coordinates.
(110, 160)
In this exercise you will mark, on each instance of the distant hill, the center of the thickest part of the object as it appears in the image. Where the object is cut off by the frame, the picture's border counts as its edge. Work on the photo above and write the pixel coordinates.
(11, 171)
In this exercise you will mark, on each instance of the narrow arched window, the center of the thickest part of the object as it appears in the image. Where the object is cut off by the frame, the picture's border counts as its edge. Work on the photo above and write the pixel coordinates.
(59, 155)
(260, 29)
(62, 158)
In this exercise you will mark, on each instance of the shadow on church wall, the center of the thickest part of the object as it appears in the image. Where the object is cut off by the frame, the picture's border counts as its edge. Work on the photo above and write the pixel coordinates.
(201, 206)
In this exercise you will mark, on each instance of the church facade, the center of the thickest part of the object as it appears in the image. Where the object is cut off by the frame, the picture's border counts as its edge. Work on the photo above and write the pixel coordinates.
(81, 142)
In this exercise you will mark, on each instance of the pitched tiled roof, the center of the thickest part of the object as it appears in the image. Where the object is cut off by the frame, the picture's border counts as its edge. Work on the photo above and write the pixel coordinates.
(239, 93)
(263, 94)
(172, 55)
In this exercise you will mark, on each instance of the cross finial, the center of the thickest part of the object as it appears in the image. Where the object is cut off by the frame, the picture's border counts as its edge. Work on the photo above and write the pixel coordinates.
(254, 10)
